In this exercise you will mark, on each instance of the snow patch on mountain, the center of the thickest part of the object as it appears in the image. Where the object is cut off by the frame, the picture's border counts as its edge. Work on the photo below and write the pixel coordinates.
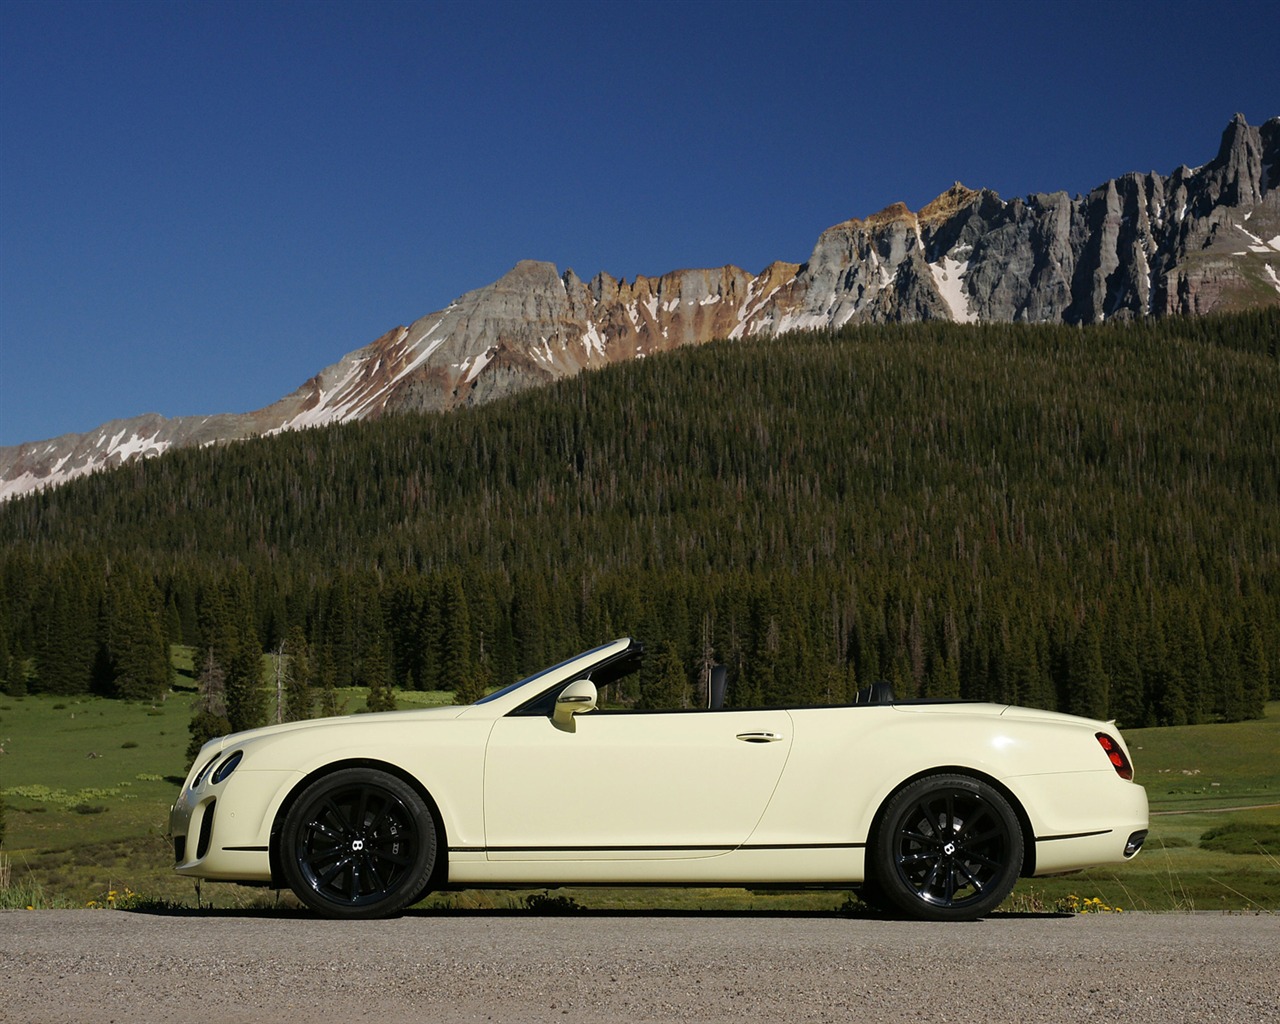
(948, 276)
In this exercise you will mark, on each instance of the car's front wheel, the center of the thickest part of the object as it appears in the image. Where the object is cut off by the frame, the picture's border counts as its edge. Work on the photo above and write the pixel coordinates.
(948, 848)
(358, 843)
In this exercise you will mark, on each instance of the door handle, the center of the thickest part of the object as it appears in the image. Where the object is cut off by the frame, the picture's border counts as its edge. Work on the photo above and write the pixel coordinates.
(759, 737)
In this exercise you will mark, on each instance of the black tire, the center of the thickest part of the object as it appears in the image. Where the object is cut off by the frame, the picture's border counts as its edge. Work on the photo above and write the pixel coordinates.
(358, 844)
(948, 848)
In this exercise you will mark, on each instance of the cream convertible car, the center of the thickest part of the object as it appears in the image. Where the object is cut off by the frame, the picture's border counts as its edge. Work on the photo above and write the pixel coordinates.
(928, 808)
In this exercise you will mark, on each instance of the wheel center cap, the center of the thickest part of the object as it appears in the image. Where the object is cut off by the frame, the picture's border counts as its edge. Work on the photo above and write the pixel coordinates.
(949, 849)
(357, 845)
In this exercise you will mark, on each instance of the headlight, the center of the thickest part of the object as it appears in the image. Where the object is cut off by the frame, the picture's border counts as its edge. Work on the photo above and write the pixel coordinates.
(195, 783)
(227, 767)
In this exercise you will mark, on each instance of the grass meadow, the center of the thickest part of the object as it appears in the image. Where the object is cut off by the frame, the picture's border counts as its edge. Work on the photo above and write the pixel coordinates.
(88, 782)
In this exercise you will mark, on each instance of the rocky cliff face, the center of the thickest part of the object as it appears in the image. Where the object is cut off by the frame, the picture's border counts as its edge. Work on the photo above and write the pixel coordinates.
(1190, 243)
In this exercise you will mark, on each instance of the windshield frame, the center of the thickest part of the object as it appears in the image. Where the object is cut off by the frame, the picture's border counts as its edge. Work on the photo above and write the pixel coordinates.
(587, 657)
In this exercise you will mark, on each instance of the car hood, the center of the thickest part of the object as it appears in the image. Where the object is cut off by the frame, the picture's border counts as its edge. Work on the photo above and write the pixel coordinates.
(413, 715)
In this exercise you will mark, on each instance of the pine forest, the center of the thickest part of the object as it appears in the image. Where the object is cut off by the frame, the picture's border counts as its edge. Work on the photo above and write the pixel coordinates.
(1084, 519)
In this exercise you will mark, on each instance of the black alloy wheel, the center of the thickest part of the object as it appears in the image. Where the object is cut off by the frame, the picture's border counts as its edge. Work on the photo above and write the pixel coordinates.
(948, 848)
(358, 844)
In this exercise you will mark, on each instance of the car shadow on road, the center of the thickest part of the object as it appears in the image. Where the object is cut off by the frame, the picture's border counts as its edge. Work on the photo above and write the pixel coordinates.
(295, 914)
(853, 915)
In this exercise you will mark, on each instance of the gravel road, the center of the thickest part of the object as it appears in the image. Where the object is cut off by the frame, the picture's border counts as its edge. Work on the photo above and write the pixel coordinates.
(112, 966)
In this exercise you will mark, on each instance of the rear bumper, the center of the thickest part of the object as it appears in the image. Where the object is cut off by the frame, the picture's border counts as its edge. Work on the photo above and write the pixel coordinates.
(1083, 820)
(1057, 855)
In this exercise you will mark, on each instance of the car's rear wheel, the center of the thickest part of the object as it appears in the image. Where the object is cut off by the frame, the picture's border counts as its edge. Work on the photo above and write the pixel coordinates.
(948, 848)
(358, 843)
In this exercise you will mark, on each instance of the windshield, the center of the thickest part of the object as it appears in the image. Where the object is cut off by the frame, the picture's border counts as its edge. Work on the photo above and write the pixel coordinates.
(538, 675)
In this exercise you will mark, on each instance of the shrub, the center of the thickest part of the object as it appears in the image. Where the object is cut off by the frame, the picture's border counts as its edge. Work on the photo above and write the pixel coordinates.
(1242, 837)
(545, 903)
(1171, 842)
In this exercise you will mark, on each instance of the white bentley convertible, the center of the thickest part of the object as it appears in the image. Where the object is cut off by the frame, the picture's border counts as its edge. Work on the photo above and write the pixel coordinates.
(928, 808)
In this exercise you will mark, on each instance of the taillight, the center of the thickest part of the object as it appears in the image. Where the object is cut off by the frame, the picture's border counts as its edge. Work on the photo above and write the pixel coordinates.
(1115, 753)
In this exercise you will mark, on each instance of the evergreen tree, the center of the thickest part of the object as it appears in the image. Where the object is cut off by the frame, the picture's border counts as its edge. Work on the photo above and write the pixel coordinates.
(373, 666)
(455, 660)
(68, 633)
(328, 702)
(1254, 671)
(375, 674)
(209, 712)
(936, 681)
(1089, 685)
(136, 649)
(1161, 674)
(339, 631)
(481, 673)
(1121, 660)
(1225, 668)
(1187, 651)
(299, 698)
(246, 697)
(215, 630)
(172, 620)
(529, 621)
(12, 680)
(381, 697)
(670, 688)
(426, 636)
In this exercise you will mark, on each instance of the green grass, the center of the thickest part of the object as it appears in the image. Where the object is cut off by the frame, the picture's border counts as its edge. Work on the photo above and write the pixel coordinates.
(88, 784)
(1197, 768)
(64, 753)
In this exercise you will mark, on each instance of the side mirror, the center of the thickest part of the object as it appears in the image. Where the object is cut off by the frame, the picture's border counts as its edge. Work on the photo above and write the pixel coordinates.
(577, 698)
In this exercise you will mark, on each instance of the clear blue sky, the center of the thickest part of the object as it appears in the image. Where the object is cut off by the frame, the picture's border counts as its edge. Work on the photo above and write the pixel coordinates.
(204, 203)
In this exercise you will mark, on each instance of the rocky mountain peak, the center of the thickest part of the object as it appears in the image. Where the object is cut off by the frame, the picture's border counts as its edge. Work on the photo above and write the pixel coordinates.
(1137, 245)
(947, 205)
(892, 214)
(1238, 166)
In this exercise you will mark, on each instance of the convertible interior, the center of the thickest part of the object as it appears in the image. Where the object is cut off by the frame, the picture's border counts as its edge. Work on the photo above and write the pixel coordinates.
(629, 662)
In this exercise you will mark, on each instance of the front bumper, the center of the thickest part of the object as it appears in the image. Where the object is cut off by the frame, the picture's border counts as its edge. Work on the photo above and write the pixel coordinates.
(222, 831)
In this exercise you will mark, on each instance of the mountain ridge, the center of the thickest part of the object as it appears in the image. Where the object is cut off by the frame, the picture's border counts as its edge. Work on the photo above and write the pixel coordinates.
(1193, 242)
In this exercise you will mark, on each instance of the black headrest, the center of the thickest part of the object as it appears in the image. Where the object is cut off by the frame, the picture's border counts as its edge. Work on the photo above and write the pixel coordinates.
(719, 680)
(876, 693)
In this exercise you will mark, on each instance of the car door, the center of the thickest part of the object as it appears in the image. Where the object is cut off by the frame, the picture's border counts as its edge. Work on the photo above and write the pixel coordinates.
(624, 785)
